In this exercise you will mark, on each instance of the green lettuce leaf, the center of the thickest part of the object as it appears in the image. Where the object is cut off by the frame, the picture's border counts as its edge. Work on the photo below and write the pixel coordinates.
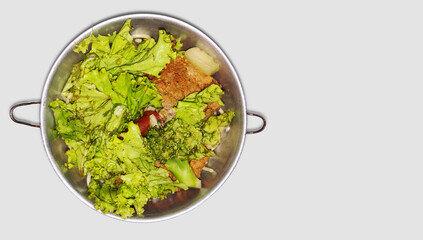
(190, 112)
(102, 81)
(191, 108)
(67, 124)
(99, 44)
(116, 53)
(155, 59)
(146, 93)
(211, 129)
(211, 93)
(183, 172)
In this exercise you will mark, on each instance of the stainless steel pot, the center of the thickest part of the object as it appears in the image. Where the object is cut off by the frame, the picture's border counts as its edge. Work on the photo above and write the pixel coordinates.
(228, 152)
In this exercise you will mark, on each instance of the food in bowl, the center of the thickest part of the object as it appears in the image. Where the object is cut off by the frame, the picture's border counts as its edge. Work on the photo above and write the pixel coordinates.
(141, 118)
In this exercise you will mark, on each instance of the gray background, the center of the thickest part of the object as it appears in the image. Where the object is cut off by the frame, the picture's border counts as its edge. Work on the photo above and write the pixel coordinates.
(339, 83)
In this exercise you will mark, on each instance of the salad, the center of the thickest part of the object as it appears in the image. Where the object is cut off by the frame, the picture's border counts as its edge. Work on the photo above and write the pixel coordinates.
(140, 116)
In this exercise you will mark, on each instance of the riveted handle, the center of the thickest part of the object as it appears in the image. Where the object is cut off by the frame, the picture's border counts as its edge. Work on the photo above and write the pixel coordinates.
(262, 126)
(21, 121)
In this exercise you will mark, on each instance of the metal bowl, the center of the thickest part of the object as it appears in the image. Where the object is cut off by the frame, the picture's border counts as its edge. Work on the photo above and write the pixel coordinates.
(227, 154)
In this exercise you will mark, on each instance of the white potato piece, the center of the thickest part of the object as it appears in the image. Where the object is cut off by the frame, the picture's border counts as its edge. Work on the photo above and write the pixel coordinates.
(201, 60)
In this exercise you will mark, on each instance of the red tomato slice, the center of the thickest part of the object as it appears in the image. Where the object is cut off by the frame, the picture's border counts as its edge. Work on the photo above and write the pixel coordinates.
(143, 124)
(144, 121)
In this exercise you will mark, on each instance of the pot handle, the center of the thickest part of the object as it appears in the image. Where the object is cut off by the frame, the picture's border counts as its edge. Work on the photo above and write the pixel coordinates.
(262, 126)
(21, 121)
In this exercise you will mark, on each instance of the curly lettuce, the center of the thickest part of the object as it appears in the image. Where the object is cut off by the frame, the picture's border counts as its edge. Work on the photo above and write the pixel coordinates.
(117, 53)
(191, 108)
(94, 115)
(212, 128)
(124, 177)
